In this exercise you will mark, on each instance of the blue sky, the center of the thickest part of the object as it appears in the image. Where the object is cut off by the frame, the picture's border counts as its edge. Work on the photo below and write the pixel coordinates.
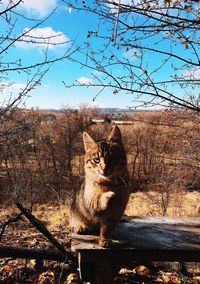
(70, 25)
(52, 93)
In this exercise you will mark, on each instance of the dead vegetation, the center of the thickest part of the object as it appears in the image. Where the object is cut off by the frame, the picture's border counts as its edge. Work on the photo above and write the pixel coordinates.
(41, 157)
(41, 165)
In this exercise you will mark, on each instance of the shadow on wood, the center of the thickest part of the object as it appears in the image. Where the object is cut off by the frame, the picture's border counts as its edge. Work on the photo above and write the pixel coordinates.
(138, 239)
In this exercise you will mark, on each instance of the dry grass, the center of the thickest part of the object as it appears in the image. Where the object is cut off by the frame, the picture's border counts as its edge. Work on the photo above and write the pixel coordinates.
(56, 217)
(140, 204)
(183, 204)
(6, 213)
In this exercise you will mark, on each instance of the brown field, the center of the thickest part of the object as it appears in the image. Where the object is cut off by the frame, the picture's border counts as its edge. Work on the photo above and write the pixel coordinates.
(41, 166)
(41, 158)
(181, 205)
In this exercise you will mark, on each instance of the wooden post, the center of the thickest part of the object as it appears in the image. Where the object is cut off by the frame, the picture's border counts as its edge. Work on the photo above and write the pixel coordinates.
(103, 273)
(86, 269)
(97, 271)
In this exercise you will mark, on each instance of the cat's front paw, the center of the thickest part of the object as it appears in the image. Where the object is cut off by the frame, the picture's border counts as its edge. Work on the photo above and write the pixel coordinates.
(105, 198)
(105, 243)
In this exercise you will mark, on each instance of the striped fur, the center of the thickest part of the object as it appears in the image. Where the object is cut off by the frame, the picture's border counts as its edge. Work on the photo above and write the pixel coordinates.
(102, 198)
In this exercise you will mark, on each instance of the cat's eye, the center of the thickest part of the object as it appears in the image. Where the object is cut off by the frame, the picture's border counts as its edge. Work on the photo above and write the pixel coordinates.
(96, 160)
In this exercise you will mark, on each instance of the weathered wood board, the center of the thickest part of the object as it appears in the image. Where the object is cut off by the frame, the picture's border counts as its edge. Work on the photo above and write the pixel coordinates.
(155, 237)
(138, 239)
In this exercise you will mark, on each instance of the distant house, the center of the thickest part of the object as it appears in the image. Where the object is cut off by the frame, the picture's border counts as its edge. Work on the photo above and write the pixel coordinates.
(122, 122)
(48, 118)
(98, 120)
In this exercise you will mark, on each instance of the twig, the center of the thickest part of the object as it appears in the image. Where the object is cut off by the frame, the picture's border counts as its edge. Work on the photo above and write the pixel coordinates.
(8, 222)
(41, 228)
(7, 251)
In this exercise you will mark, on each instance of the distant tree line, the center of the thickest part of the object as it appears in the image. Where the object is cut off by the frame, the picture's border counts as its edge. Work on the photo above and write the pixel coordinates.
(41, 158)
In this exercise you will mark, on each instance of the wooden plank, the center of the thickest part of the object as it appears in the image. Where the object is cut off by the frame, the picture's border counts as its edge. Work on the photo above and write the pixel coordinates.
(150, 233)
(160, 233)
(138, 239)
(126, 256)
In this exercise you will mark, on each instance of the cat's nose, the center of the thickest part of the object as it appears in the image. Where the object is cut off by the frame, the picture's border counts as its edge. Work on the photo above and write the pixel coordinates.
(105, 171)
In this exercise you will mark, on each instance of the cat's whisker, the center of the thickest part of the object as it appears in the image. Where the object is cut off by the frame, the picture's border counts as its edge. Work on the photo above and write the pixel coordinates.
(122, 179)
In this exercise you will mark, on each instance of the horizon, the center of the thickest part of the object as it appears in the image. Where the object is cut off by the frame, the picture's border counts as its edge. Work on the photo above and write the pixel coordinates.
(110, 109)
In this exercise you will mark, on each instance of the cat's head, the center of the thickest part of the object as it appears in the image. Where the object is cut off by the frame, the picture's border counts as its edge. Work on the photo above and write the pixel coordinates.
(106, 158)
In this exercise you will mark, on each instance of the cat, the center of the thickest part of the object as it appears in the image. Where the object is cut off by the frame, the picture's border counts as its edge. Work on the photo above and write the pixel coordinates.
(102, 198)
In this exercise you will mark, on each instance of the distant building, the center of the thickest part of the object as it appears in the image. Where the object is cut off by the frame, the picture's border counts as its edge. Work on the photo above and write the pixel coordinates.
(98, 120)
(48, 118)
(112, 121)
(121, 122)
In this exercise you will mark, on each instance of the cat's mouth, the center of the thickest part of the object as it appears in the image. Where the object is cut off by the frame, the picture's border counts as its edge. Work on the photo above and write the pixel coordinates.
(104, 177)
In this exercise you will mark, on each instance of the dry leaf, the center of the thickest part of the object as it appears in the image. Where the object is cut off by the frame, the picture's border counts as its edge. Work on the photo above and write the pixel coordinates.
(142, 270)
(196, 278)
(8, 268)
(175, 279)
(125, 271)
(72, 279)
(165, 277)
(32, 262)
(46, 278)
(32, 241)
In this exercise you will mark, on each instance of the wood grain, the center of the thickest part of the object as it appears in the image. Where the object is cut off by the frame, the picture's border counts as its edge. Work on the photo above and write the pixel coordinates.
(152, 238)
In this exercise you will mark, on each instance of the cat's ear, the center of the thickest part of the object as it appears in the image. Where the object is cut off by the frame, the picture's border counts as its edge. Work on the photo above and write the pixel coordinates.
(88, 141)
(115, 135)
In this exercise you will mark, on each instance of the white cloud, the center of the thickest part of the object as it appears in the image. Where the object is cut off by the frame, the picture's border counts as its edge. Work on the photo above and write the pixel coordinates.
(135, 2)
(128, 2)
(38, 7)
(85, 81)
(41, 7)
(113, 4)
(12, 87)
(192, 74)
(8, 92)
(130, 54)
(42, 37)
(123, 2)
(17, 86)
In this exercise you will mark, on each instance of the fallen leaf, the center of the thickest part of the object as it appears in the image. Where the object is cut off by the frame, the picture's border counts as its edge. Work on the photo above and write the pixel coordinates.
(46, 278)
(175, 279)
(142, 270)
(125, 271)
(32, 262)
(32, 241)
(8, 268)
(72, 279)
(196, 278)
(165, 277)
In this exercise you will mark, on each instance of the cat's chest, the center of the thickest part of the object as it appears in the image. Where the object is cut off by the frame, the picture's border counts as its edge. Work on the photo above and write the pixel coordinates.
(94, 187)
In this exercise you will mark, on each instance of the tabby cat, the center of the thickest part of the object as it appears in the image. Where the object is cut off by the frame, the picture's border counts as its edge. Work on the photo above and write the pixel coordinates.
(102, 199)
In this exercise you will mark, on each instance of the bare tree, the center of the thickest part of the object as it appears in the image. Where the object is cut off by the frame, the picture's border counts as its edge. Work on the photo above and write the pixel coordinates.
(36, 68)
(39, 157)
(155, 45)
